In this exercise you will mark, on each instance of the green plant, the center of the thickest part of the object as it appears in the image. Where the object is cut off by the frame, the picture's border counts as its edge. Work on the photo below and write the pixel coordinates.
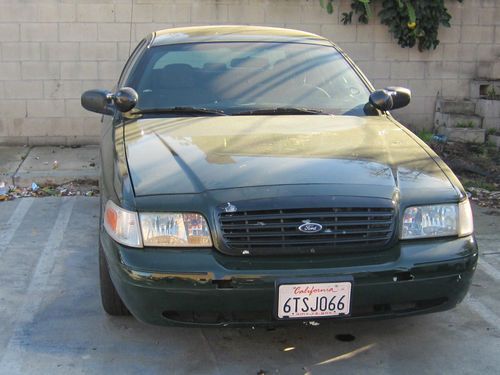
(411, 22)
(491, 131)
(479, 150)
(327, 4)
(490, 145)
(425, 136)
(466, 125)
(491, 93)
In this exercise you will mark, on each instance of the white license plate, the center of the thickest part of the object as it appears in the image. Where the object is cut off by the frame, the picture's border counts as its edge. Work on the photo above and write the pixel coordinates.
(313, 300)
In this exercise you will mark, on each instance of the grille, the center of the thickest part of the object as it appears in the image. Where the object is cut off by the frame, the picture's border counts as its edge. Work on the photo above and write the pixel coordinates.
(342, 228)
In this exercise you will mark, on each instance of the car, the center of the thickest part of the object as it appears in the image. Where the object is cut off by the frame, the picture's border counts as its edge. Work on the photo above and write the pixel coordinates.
(254, 176)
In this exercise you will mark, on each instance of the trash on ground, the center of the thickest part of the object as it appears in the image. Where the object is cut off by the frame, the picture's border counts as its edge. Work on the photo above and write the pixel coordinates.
(3, 188)
(75, 188)
(3, 191)
(439, 138)
(484, 197)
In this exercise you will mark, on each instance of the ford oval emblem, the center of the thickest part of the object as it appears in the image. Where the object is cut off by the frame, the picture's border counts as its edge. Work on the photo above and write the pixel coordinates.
(310, 228)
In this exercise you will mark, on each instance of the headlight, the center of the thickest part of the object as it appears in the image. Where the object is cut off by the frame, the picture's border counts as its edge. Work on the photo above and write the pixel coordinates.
(122, 225)
(175, 230)
(437, 221)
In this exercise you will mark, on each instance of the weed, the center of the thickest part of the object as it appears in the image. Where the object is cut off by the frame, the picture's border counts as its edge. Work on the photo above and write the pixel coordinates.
(425, 136)
(465, 125)
(491, 94)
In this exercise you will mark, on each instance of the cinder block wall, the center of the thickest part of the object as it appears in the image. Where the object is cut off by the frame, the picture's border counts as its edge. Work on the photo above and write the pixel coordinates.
(52, 50)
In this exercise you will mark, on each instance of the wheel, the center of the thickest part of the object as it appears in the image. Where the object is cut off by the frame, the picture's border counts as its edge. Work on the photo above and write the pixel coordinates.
(111, 301)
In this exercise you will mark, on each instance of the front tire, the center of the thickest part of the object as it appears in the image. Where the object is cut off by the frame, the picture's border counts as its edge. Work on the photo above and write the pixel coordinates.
(111, 301)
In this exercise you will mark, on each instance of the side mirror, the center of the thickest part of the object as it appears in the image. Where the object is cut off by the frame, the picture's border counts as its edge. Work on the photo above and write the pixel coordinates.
(125, 99)
(390, 98)
(101, 101)
(381, 99)
(98, 101)
(401, 96)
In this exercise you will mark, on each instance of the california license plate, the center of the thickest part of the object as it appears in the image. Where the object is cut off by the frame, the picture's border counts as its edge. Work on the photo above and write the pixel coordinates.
(314, 300)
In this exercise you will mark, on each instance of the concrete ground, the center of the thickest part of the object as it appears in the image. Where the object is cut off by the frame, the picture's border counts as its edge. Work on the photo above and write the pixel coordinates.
(52, 322)
(43, 165)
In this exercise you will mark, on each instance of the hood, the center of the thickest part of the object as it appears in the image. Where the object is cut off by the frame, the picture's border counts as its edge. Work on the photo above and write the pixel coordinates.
(196, 154)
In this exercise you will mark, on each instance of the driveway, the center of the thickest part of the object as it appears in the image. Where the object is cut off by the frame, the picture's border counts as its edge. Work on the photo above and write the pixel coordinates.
(51, 321)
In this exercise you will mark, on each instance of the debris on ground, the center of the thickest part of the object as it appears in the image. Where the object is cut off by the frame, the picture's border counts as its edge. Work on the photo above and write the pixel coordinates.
(476, 166)
(311, 323)
(484, 197)
(438, 138)
(74, 188)
(3, 191)
(3, 188)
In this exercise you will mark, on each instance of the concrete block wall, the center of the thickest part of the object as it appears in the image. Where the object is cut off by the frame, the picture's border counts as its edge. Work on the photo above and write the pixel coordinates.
(52, 50)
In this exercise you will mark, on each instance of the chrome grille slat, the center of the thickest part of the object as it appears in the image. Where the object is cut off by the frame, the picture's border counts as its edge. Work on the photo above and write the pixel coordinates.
(286, 235)
(311, 242)
(295, 224)
(300, 215)
(365, 228)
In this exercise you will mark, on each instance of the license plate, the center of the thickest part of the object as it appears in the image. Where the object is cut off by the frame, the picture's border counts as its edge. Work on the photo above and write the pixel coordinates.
(313, 300)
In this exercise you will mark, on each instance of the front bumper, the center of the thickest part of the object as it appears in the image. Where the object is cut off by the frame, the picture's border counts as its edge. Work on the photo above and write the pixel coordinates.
(205, 287)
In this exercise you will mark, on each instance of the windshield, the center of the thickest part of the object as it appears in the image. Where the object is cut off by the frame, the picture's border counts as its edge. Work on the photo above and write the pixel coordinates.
(240, 78)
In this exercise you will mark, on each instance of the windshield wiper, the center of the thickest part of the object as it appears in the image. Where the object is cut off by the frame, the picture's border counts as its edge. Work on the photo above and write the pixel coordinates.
(281, 111)
(181, 110)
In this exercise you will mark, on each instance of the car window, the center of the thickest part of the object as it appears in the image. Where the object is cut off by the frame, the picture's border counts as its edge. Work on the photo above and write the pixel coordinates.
(207, 54)
(235, 76)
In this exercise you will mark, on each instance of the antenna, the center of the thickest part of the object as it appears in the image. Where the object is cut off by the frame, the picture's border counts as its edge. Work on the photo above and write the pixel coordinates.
(131, 18)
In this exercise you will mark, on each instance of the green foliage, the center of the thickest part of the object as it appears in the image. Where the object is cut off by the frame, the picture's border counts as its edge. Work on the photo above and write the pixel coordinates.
(465, 125)
(491, 94)
(327, 4)
(411, 22)
(425, 136)
(360, 8)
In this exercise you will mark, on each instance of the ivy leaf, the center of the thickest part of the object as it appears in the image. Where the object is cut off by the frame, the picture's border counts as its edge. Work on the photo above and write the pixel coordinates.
(368, 9)
(329, 7)
(346, 18)
(400, 17)
(411, 13)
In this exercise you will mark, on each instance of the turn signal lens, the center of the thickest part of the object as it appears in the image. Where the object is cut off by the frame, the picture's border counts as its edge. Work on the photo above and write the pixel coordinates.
(465, 220)
(122, 225)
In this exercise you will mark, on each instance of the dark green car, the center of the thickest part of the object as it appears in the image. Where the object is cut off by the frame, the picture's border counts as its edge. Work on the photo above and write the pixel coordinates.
(253, 175)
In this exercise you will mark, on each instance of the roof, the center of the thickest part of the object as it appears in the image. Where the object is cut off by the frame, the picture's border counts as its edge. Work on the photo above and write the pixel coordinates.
(234, 33)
